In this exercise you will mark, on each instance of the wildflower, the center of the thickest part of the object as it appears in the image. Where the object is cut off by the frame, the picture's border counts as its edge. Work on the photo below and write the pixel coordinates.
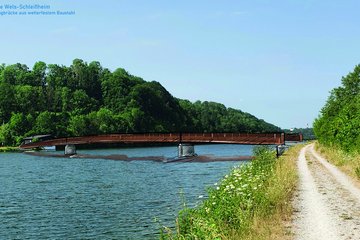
(217, 188)
(214, 203)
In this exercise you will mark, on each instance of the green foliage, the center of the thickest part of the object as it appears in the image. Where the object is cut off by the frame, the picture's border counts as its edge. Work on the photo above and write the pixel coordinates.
(7, 101)
(11, 133)
(87, 99)
(232, 203)
(215, 117)
(339, 120)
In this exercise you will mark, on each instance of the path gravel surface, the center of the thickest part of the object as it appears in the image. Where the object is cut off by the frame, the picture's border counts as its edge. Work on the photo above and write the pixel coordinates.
(327, 202)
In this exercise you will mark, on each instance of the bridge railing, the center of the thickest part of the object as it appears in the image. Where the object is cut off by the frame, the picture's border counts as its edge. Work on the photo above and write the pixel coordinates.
(245, 138)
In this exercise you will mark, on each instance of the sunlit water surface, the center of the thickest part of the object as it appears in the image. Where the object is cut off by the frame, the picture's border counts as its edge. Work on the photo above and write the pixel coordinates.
(63, 198)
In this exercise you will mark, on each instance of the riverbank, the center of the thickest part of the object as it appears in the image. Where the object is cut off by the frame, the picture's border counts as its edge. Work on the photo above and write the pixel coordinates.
(349, 163)
(9, 149)
(251, 202)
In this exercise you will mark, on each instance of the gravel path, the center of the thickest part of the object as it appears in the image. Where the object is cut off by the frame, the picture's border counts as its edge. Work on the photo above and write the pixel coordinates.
(327, 203)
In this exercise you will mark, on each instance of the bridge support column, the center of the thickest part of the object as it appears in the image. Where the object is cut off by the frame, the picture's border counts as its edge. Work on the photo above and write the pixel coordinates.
(186, 150)
(70, 149)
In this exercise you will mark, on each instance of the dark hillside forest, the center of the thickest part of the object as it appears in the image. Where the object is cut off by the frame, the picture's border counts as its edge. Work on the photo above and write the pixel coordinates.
(339, 120)
(87, 99)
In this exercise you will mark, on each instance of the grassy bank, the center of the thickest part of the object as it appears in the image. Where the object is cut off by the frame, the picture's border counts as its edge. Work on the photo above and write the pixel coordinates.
(251, 202)
(349, 163)
(8, 149)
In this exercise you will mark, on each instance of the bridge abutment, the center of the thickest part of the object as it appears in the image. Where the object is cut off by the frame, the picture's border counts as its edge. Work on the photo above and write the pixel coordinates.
(70, 149)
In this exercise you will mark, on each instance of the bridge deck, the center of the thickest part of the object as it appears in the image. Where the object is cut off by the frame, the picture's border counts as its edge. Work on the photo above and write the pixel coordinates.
(231, 138)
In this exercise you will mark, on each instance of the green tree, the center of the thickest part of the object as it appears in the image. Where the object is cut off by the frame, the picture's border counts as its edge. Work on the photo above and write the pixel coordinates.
(81, 103)
(339, 122)
(39, 74)
(45, 123)
(6, 136)
(7, 101)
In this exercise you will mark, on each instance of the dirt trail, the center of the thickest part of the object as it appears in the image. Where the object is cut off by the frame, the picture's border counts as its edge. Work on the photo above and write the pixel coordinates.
(327, 203)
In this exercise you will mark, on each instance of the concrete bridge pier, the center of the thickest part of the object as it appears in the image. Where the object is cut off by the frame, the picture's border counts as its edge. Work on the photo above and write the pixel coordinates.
(70, 149)
(186, 150)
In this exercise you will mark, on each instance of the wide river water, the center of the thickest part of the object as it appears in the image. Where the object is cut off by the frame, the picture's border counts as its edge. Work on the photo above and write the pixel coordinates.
(64, 198)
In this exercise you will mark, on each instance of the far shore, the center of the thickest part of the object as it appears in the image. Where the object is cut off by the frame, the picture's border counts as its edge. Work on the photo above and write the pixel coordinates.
(9, 149)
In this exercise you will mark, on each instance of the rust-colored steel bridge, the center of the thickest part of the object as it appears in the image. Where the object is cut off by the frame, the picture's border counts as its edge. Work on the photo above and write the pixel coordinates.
(230, 138)
(294, 137)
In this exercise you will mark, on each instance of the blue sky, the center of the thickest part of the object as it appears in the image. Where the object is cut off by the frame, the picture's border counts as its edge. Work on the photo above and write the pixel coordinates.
(277, 60)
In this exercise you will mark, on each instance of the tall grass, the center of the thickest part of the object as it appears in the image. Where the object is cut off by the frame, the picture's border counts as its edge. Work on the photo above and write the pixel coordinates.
(348, 162)
(246, 204)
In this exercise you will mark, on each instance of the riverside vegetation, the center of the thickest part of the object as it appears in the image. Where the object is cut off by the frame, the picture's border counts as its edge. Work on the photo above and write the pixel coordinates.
(338, 126)
(348, 162)
(251, 202)
(8, 149)
(87, 99)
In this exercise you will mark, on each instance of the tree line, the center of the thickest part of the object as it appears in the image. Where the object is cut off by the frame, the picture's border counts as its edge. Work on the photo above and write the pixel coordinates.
(88, 99)
(339, 121)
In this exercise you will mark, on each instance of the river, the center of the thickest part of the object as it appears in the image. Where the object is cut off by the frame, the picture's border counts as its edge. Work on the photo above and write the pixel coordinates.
(64, 198)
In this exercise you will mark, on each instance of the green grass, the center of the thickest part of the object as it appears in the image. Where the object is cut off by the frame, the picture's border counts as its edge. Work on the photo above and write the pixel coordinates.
(9, 149)
(251, 202)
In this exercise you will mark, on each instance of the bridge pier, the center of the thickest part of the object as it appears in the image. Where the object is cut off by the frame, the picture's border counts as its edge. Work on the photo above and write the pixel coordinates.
(70, 149)
(186, 150)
